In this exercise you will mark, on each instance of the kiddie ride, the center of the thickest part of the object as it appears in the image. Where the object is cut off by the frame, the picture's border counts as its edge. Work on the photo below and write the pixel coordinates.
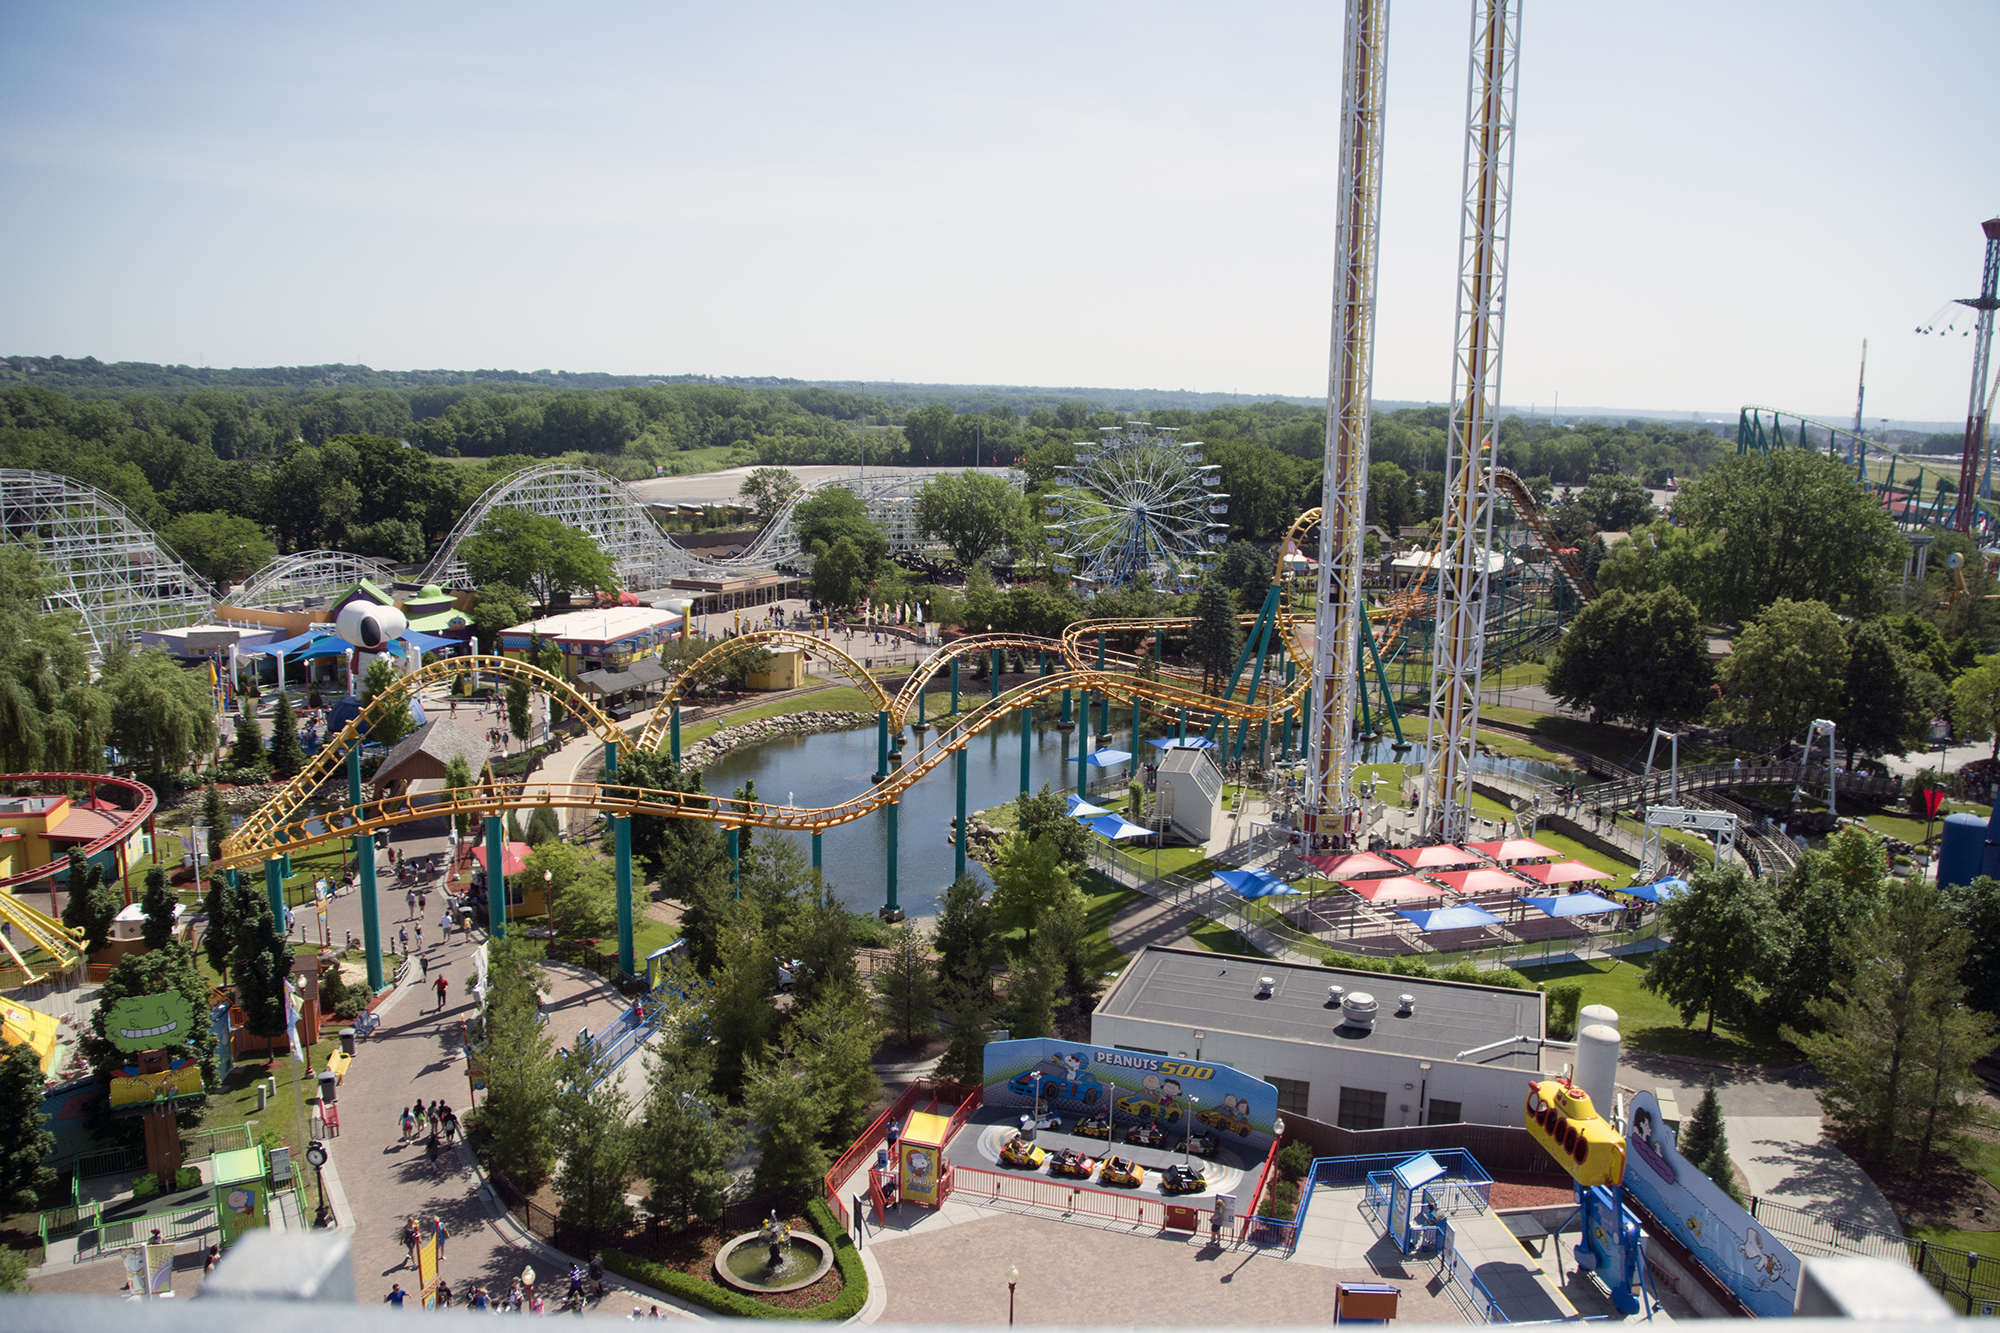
(1562, 1119)
(1019, 1152)
(1148, 1135)
(1179, 1179)
(1070, 1162)
(1122, 1171)
(1095, 1127)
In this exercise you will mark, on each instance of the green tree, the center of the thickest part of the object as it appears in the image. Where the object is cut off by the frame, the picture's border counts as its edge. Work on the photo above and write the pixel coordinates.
(218, 930)
(215, 817)
(90, 906)
(1890, 695)
(1790, 526)
(963, 932)
(964, 1058)
(839, 574)
(457, 777)
(523, 1072)
(158, 905)
(1820, 906)
(906, 989)
(1029, 881)
(26, 1141)
(287, 755)
(1636, 657)
(1976, 906)
(1975, 703)
(598, 1153)
(766, 489)
(1789, 667)
(543, 826)
(161, 715)
(1391, 498)
(1065, 936)
(543, 557)
(1045, 817)
(260, 962)
(246, 751)
(1720, 928)
(499, 606)
(51, 714)
(832, 1040)
(790, 1116)
(219, 547)
(1215, 639)
(389, 721)
(1897, 1044)
(832, 513)
(1615, 501)
(740, 1015)
(973, 513)
(686, 1138)
(1704, 1141)
(1031, 994)
(519, 708)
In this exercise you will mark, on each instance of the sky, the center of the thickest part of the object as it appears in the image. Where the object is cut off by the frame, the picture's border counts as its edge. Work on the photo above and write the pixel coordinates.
(1714, 203)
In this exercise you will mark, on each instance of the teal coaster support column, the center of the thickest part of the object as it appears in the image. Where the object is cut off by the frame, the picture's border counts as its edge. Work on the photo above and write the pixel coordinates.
(1066, 723)
(815, 849)
(1027, 739)
(920, 706)
(1183, 731)
(496, 878)
(364, 861)
(881, 744)
(736, 862)
(890, 907)
(1083, 749)
(621, 826)
(1135, 724)
(274, 888)
(1104, 701)
(954, 686)
(959, 840)
(999, 661)
(674, 733)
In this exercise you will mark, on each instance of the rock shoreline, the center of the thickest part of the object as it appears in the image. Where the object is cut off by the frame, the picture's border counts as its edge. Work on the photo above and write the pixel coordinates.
(712, 748)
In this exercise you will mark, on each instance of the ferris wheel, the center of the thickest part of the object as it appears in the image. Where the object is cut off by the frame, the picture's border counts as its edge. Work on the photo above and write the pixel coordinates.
(1137, 501)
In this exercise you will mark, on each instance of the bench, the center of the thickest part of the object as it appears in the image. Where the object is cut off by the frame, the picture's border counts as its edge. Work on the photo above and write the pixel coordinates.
(366, 1022)
(337, 1064)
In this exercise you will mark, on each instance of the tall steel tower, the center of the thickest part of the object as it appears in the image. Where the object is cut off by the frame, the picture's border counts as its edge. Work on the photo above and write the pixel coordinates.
(1982, 346)
(1469, 467)
(1330, 809)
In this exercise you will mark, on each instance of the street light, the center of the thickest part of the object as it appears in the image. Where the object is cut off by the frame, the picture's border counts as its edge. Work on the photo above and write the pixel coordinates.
(1013, 1276)
(1199, 1038)
(549, 901)
(1187, 1138)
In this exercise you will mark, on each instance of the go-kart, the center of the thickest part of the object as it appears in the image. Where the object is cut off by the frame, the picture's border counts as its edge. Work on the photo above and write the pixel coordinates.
(1121, 1171)
(1094, 1127)
(1201, 1145)
(1148, 1135)
(1019, 1152)
(1070, 1162)
(1044, 1120)
(1178, 1179)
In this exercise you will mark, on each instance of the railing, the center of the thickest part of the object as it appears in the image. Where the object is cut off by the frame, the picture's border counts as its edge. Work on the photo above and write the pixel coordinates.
(1955, 1272)
(1662, 787)
(1807, 1234)
(985, 1188)
(1218, 903)
(1461, 1282)
(173, 1226)
(110, 1162)
(877, 1133)
(200, 1144)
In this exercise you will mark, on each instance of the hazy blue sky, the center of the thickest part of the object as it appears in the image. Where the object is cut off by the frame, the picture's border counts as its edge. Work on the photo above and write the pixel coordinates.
(1715, 202)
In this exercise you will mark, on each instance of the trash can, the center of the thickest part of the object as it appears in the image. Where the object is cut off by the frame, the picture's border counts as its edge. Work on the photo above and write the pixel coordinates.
(347, 1041)
(329, 1085)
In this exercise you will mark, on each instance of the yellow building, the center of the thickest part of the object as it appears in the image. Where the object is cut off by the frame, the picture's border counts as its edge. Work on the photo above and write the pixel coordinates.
(786, 672)
(35, 830)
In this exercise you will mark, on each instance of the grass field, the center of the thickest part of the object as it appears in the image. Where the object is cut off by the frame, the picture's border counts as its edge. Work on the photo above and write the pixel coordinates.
(1647, 1021)
(836, 699)
(1218, 938)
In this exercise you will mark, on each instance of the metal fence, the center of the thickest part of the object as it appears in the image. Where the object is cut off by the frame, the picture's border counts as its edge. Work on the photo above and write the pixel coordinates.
(1809, 1235)
(200, 1144)
(1461, 1282)
(987, 1189)
(1970, 1281)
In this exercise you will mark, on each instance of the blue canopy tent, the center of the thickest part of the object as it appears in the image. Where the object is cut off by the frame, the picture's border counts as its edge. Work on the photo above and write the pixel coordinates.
(1102, 758)
(422, 641)
(1452, 918)
(1573, 904)
(1185, 743)
(1082, 809)
(1117, 828)
(315, 643)
(1658, 891)
(1257, 883)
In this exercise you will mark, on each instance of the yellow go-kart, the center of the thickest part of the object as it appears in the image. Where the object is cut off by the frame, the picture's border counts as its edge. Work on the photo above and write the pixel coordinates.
(1019, 1152)
(1122, 1171)
(1094, 1127)
(1070, 1162)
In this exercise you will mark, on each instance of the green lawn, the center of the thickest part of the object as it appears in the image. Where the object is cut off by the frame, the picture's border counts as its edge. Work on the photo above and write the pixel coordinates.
(838, 699)
(1218, 938)
(1648, 1022)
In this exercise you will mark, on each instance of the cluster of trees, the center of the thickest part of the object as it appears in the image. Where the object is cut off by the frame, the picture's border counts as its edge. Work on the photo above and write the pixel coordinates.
(1885, 983)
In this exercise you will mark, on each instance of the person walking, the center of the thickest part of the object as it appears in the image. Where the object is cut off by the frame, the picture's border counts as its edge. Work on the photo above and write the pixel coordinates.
(403, 933)
(443, 1232)
(420, 937)
(409, 1123)
(412, 1237)
(444, 927)
(411, 899)
(396, 1296)
(442, 986)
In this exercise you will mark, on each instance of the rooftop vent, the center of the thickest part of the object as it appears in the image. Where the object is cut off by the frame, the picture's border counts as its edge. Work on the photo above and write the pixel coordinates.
(1358, 1011)
(1333, 996)
(1406, 1005)
(1264, 987)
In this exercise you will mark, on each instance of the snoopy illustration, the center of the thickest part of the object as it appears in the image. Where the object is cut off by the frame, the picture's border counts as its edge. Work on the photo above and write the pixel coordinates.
(1764, 1265)
(1072, 1064)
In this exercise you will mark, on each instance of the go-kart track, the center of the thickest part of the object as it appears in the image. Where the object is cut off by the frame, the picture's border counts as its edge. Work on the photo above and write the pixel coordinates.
(978, 1146)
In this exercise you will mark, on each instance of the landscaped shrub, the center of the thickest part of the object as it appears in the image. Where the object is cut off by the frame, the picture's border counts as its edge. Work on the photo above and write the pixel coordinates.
(725, 1300)
(1565, 999)
(1281, 1200)
(1294, 1160)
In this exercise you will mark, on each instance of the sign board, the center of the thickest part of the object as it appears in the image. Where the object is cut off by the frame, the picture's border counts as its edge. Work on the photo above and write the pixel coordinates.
(1133, 1087)
(150, 1022)
(1735, 1246)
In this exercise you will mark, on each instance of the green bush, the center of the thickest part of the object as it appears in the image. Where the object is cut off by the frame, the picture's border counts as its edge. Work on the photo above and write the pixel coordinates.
(1294, 1160)
(1410, 967)
(1281, 1200)
(1565, 999)
(146, 1186)
(724, 1300)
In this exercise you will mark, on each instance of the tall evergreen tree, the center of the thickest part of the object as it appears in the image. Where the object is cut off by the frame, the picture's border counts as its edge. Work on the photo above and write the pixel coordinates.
(216, 817)
(598, 1151)
(906, 990)
(287, 755)
(91, 905)
(391, 721)
(261, 961)
(458, 775)
(963, 933)
(1215, 639)
(25, 1140)
(686, 1138)
(1704, 1141)
(218, 931)
(247, 750)
(158, 905)
(740, 1016)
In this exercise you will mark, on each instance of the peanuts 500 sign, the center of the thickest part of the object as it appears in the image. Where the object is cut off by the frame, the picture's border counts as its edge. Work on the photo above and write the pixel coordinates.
(1132, 1087)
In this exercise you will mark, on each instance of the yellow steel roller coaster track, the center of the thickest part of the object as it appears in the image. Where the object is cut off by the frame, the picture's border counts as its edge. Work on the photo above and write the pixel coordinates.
(284, 823)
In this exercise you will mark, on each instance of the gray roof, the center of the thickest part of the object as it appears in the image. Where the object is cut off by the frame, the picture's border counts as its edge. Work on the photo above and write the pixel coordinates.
(642, 671)
(425, 752)
(1192, 988)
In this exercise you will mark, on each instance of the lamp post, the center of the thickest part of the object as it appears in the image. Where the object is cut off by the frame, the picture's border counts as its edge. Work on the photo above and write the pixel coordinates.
(1423, 1090)
(549, 901)
(1199, 1038)
(1013, 1276)
(1187, 1137)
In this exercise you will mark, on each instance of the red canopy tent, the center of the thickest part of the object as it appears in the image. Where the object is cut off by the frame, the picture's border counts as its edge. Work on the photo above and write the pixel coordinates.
(513, 857)
(1444, 857)
(1514, 849)
(1402, 889)
(1484, 879)
(1563, 872)
(1352, 863)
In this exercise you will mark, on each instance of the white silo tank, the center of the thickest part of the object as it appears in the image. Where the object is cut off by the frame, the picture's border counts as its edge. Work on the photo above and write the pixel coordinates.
(1597, 1013)
(1597, 1066)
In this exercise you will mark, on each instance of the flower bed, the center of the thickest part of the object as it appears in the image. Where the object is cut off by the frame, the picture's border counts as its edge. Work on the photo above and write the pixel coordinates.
(682, 1264)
